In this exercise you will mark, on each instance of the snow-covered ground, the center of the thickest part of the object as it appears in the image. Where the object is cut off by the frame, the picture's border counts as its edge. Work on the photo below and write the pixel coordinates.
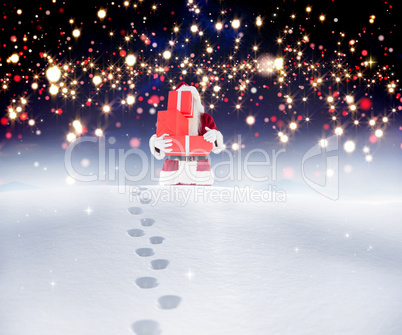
(87, 260)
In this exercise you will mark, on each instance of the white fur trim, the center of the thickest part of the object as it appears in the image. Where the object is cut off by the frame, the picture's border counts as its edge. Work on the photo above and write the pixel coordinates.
(158, 155)
(219, 140)
(186, 174)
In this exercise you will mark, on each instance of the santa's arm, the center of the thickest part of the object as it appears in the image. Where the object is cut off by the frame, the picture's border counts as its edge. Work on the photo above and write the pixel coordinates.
(159, 154)
(218, 143)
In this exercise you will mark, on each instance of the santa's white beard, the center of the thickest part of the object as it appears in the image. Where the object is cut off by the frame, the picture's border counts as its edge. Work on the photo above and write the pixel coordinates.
(194, 123)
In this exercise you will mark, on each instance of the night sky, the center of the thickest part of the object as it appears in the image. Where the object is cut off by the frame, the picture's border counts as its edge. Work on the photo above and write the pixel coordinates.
(289, 69)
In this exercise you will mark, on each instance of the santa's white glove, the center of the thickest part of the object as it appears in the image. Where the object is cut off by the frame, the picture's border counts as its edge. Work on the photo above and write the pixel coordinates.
(210, 135)
(162, 144)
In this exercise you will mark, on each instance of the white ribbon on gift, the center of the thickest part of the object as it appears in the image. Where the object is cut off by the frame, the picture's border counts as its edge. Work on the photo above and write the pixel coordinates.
(179, 101)
(187, 145)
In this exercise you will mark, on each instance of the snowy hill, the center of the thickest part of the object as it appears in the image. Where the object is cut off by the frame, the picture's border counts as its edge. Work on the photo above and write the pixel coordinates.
(196, 261)
(16, 186)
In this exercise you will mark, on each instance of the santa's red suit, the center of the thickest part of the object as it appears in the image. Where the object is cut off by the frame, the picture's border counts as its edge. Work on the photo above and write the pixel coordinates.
(187, 169)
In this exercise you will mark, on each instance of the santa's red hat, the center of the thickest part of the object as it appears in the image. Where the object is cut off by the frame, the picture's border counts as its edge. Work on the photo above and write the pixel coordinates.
(180, 85)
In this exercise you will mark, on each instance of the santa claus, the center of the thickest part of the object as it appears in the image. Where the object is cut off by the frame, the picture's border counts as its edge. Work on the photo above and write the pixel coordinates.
(189, 170)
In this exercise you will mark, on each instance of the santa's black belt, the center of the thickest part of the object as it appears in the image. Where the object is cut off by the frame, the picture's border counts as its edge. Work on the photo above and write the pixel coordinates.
(188, 158)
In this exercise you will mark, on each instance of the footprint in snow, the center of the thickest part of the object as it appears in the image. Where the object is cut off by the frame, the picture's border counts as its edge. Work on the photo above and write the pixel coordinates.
(146, 282)
(159, 264)
(145, 252)
(145, 201)
(156, 239)
(146, 327)
(147, 222)
(135, 232)
(135, 210)
(169, 301)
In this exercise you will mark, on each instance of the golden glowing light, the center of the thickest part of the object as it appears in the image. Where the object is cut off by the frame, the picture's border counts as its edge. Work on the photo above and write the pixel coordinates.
(53, 74)
(96, 80)
(369, 158)
(284, 138)
(236, 23)
(219, 26)
(167, 54)
(379, 133)
(194, 28)
(372, 122)
(250, 120)
(99, 132)
(235, 146)
(338, 131)
(322, 17)
(278, 63)
(71, 137)
(31, 122)
(349, 99)
(106, 109)
(293, 125)
(210, 50)
(349, 146)
(101, 13)
(53, 89)
(76, 33)
(14, 58)
(130, 100)
(69, 180)
(130, 60)
(323, 143)
(77, 127)
(258, 21)
(308, 9)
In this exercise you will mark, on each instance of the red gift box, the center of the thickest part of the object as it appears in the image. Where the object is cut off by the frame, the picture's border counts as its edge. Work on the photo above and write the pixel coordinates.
(171, 122)
(189, 146)
(183, 101)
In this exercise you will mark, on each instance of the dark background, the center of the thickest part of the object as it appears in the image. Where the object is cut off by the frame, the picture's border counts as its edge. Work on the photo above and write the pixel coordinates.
(54, 30)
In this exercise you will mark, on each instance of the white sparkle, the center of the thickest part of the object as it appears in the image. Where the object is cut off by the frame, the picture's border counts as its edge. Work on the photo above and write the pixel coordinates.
(189, 274)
